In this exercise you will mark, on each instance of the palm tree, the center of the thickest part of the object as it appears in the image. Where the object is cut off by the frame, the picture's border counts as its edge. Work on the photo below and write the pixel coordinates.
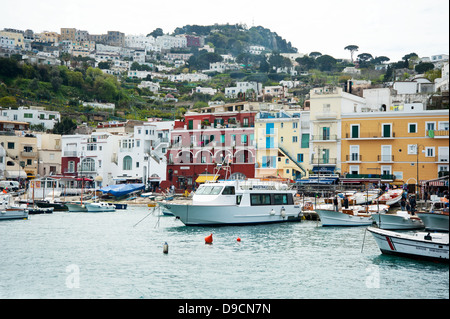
(352, 48)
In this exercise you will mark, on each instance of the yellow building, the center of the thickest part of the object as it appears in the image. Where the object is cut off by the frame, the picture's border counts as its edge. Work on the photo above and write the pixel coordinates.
(395, 146)
(281, 151)
(15, 35)
(21, 155)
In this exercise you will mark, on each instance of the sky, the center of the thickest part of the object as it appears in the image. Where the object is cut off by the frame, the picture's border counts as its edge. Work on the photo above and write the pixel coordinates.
(391, 28)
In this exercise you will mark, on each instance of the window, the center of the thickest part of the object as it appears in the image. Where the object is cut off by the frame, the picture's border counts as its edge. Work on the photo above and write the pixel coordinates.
(127, 163)
(429, 151)
(386, 130)
(354, 153)
(294, 139)
(268, 162)
(294, 125)
(300, 158)
(354, 169)
(10, 145)
(412, 128)
(430, 126)
(71, 167)
(28, 115)
(259, 199)
(305, 141)
(386, 170)
(228, 190)
(280, 199)
(88, 165)
(354, 130)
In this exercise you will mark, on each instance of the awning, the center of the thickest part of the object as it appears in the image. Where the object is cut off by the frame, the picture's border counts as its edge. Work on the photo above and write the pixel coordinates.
(204, 178)
(15, 174)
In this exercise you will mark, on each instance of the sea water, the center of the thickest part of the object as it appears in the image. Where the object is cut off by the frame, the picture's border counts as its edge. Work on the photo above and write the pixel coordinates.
(120, 255)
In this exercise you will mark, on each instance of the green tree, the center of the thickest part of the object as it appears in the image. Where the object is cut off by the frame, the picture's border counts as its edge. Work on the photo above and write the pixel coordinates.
(352, 49)
(66, 126)
(326, 62)
(424, 67)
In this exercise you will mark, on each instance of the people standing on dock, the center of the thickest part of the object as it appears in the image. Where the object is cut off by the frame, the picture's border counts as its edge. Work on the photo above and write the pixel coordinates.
(346, 202)
(413, 203)
(403, 204)
(335, 202)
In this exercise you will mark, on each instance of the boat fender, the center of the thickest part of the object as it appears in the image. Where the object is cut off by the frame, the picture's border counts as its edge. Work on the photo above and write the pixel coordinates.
(283, 212)
(272, 212)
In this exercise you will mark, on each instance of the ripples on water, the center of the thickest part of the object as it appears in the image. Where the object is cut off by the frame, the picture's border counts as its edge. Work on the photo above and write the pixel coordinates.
(118, 259)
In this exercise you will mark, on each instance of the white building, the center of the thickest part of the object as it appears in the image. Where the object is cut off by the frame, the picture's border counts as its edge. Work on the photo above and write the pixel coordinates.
(152, 86)
(243, 87)
(34, 115)
(142, 154)
(203, 90)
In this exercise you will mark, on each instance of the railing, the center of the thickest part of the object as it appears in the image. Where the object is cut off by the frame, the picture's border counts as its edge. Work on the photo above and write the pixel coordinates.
(353, 158)
(438, 133)
(330, 160)
(384, 177)
(324, 137)
(385, 158)
(369, 135)
(28, 154)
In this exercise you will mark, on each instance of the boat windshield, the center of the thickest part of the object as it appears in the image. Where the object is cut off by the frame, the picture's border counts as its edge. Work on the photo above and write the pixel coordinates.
(209, 190)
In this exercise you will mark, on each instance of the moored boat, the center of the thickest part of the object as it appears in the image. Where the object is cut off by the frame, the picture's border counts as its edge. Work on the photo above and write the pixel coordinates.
(391, 197)
(34, 210)
(397, 220)
(351, 216)
(98, 207)
(437, 219)
(237, 202)
(422, 245)
(8, 211)
(76, 207)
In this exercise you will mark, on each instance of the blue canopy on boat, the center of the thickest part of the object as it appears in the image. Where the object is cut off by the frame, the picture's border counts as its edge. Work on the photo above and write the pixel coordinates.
(122, 189)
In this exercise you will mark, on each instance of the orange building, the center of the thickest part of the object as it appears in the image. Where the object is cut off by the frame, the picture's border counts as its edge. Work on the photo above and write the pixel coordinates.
(403, 146)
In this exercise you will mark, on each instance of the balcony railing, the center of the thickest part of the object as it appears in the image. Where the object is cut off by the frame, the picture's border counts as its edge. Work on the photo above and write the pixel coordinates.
(325, 161)
(438, 133)
(361, 176)
(353, 158)
(369, 135)
(324, 137)
(385, 158)
(28, 154)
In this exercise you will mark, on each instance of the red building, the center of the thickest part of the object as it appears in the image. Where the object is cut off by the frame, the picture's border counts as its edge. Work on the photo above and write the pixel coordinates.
(217, 135)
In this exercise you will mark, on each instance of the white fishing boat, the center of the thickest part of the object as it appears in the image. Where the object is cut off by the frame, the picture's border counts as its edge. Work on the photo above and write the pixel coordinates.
(99, 207)
(397, 220)
(436, 219)
(361, 198)
(76, 207)
(237, 202)
(351, 216)
(11, 212)
(391, 197)
(422, 245)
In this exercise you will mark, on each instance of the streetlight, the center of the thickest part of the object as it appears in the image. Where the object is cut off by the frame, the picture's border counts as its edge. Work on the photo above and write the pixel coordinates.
(417, 166)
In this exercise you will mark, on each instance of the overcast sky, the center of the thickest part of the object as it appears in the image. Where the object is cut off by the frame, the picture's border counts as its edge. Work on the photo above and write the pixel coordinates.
(392, 28)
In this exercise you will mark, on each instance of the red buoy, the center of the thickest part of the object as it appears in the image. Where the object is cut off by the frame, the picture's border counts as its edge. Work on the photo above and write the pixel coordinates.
(238, 239)
(208, 239)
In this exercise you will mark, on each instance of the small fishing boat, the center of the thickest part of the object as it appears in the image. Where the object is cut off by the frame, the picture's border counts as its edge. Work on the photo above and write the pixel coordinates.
(391, 197)
(421, 245)
(397, 220)
(436, 219)
(351, 216)
(11, 212)
(76, 207)
(98, 207)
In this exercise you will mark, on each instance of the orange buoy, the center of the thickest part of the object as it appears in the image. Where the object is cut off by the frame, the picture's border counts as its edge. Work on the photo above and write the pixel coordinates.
(238, 239)
(208, 239)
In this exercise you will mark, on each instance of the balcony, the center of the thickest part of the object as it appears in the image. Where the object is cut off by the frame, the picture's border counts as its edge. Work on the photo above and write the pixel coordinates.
(326, 116)
(325, 138)
(28, 154)
(371, 176)
(353, 158)
(70, 154)
(385, 158)
(369, 135)
(323, 161)
(438, 133)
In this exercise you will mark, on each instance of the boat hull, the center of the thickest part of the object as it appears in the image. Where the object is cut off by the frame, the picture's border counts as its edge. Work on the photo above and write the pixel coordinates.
(334, 218)
(40, 210)
(435, 221)
(12, 213)
(76, 207)
(397, 222)
(199, 215)
(96, 208)
(413, 246)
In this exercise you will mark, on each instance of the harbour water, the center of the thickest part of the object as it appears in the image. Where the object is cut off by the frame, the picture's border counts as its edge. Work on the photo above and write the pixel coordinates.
(120, 255)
